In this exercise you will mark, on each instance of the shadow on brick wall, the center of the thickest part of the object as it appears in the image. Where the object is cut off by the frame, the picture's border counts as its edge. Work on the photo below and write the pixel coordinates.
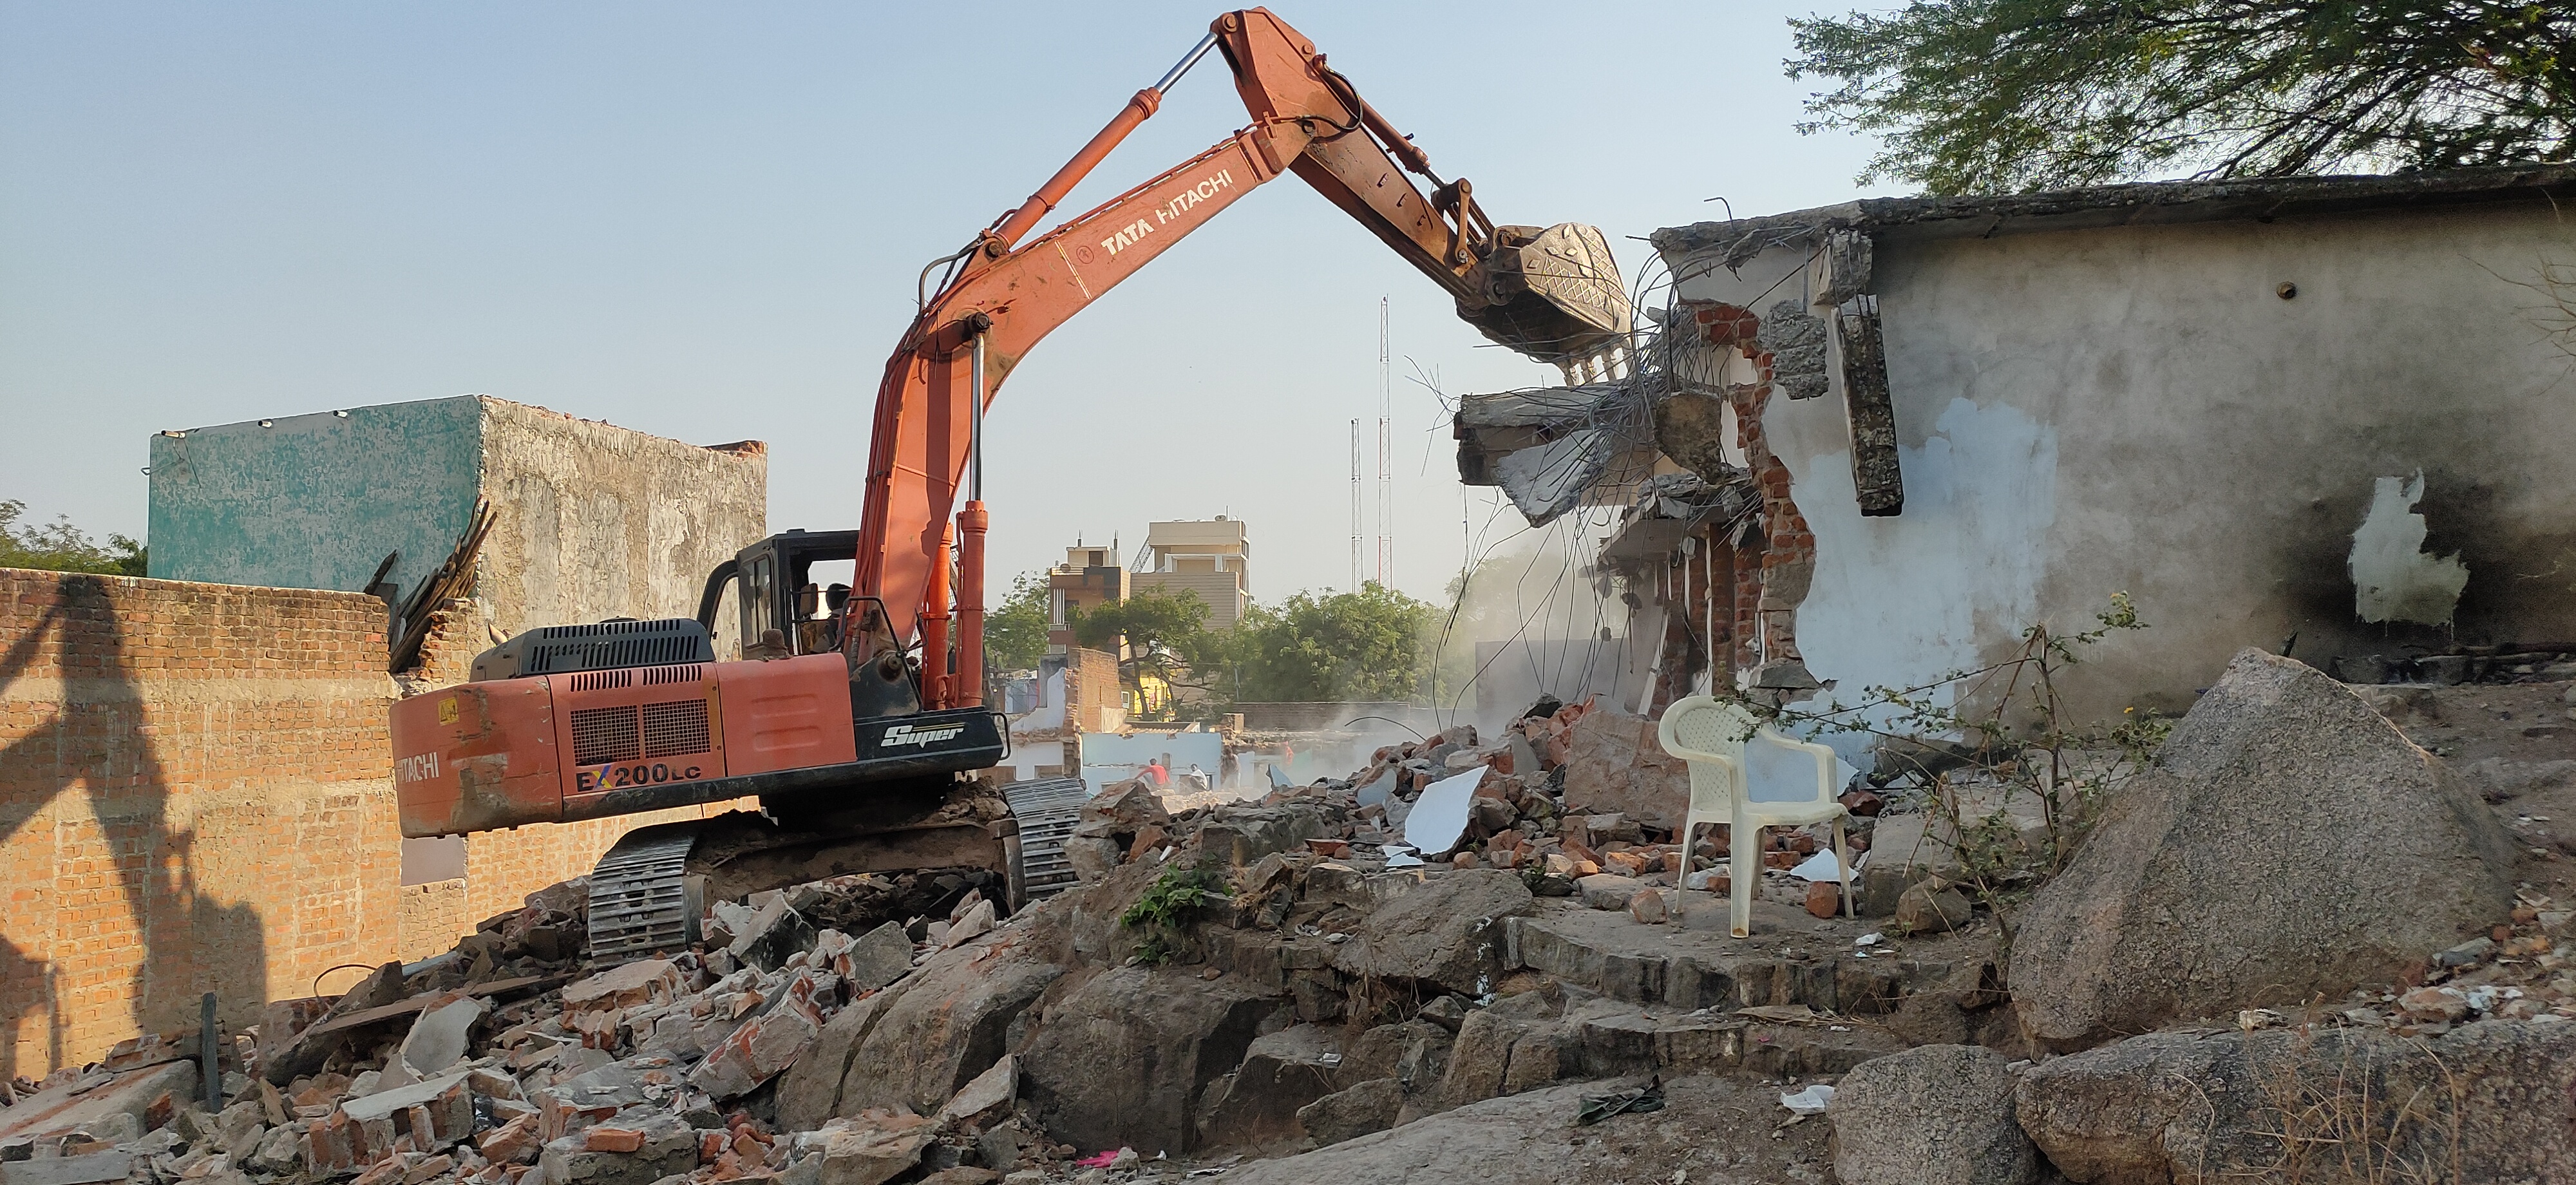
(123, 898)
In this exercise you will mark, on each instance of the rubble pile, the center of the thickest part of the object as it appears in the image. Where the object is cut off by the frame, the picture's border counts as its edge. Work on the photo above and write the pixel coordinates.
(1363, 979)
(1567, 797)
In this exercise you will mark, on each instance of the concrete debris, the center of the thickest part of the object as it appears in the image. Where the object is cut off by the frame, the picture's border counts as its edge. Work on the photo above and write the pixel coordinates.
(1266, 988)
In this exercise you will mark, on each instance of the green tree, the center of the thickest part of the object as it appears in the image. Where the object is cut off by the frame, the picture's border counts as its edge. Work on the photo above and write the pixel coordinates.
(61, 547)
(1367, 645)
(1015, 632)
(2002, 96)
(1156, 625)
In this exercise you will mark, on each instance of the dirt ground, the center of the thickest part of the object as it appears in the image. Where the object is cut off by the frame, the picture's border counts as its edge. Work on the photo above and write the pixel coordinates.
(2516, 742)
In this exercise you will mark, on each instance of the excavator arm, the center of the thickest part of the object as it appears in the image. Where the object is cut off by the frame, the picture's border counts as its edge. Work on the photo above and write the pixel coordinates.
(1553, 294)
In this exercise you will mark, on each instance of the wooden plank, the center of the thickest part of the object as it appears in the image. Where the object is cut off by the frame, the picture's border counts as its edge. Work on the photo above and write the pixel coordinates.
(312, 1047)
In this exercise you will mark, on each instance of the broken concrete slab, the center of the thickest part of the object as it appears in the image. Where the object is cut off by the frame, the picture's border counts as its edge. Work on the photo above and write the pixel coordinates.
(440, 1036)
(2290, 843)
(872, 1148)
(663, 1146)
(81, 1105)
(112, 1165)
(771, 935)
(991, 1091)
(306, 1054)
(763, 1048)
(631, 985)
(976, 923)
(1123, 809)
(879, 957)
(1532, 1139)
(809, 1092)
(1684, 969)
(1241, 836)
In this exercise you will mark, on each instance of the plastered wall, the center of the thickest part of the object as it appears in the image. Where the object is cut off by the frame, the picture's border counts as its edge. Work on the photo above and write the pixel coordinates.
(2138, 409)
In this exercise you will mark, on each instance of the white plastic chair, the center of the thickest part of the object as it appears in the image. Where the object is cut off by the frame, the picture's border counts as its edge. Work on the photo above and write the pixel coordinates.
(1748, 776)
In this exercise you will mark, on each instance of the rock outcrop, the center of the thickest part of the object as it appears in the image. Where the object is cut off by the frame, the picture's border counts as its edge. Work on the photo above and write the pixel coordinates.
(1932, 1115)
(2487, 1102)
(1446, 933)
(1126, 1057)
(2290, 843)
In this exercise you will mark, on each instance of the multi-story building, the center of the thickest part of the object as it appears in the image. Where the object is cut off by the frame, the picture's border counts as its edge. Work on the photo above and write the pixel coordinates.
(1088, 578)
(1209, 557)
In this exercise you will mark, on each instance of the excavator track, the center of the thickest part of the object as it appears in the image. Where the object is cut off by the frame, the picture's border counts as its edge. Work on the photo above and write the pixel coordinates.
(1048, 810)
(639, 896)
(644, 901)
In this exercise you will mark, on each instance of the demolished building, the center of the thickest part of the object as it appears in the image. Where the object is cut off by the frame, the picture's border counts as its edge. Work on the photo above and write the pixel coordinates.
(592, 520)
(196, 788)
(2318, 416)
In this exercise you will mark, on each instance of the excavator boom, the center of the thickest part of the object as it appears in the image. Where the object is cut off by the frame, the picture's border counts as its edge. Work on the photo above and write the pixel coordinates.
(624, 717)
(1553, 294)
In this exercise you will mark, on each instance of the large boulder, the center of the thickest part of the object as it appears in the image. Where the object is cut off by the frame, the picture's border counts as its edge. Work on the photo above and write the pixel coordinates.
(2289, 843)
(934, 1032)
(1933, 1115)
(1446, 932)
(2493, 1101)
(1615, 763)
(1125, 1058)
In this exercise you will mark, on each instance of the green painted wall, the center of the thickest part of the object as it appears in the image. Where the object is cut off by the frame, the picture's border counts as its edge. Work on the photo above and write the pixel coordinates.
(315, 501)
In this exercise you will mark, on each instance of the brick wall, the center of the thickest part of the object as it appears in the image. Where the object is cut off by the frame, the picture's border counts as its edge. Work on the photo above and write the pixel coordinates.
(1766, 626)
(1094, 700)
(193, 797)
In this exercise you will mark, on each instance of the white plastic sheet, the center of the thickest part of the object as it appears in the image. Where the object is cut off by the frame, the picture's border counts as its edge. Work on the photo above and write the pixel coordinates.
(1810, 1101)
(1440, 815)
(1818, 867)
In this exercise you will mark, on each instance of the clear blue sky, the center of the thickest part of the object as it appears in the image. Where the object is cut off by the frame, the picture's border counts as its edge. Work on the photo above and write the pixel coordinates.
(704, 221)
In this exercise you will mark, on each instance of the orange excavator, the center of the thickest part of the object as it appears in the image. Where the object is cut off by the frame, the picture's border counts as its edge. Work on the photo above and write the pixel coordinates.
(857, 724)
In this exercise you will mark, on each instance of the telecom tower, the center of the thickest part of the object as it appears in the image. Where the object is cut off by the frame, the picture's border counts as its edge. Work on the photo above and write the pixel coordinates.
(1355, 506)
(1385, 473)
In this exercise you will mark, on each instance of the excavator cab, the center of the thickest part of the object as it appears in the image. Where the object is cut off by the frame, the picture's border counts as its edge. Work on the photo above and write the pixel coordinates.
(774, 589)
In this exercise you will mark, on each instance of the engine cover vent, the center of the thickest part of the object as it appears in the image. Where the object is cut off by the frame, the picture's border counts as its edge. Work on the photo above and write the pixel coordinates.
(607, 645)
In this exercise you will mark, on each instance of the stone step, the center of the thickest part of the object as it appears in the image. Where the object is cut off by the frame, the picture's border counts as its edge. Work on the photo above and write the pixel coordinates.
(1608, 953)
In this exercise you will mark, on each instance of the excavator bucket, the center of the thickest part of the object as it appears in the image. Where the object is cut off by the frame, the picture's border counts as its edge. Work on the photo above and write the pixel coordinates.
(1554, 294)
